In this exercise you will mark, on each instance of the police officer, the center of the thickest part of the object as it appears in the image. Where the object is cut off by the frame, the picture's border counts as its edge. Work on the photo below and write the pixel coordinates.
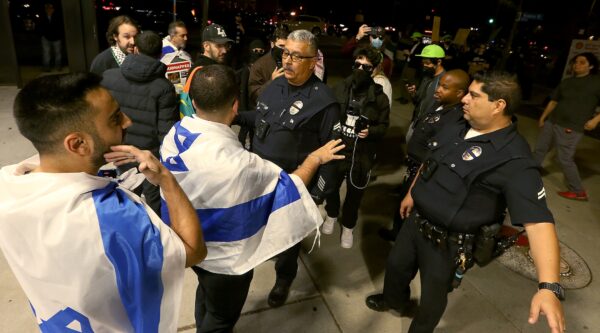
(478, 168)
(364, 121)
(295, 114)
(447, 110)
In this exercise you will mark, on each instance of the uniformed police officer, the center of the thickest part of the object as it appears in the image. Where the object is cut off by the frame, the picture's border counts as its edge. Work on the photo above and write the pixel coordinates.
(479, 167)
(452, 88)
(295, 114)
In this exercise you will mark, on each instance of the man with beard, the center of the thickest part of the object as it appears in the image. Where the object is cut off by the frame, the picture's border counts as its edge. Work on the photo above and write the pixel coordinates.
(215, 46)
(295, 114)
(364, 120)
(84, 249)
(120, 36)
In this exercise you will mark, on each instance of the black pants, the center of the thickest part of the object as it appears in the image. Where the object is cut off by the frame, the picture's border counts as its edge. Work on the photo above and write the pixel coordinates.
(353, 195)
(286, 264)
(412, 252)
(411, 172)
(219, 300)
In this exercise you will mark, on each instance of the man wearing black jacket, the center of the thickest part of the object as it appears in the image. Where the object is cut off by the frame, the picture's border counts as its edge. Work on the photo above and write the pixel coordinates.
(215, 46)
(365, 118)
(147, 97)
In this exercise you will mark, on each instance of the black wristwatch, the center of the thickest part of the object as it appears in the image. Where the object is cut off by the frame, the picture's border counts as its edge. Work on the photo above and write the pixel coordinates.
(555, 287)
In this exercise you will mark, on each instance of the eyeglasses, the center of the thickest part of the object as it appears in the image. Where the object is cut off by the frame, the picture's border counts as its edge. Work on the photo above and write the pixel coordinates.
(364, 67)
(295, 57)
(258, 51)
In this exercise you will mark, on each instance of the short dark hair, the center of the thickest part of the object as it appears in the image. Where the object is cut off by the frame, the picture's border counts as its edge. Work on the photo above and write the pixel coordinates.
(50, 107)
(173, 26)
(214, 88)
(501, 85)
(591, 59)
(280, 33)
(149, 43)
(115, 23)
(373, 55)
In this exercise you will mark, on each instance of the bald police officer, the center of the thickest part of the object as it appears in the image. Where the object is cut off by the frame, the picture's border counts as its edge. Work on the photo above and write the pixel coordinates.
(452, 88)
(479, 167)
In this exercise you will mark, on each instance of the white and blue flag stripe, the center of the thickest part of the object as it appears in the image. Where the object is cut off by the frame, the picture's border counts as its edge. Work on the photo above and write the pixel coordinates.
(249, 208)
(89, 255)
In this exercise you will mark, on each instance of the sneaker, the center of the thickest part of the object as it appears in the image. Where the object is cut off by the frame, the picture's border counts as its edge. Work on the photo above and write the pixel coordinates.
(328, 225)
(582, 196)
(347, 238)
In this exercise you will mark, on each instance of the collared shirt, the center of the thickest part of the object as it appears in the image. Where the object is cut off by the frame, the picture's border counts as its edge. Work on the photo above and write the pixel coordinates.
(427, 126)
(465, 184)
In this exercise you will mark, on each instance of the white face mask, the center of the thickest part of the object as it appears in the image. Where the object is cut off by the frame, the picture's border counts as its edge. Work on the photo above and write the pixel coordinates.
(377, 43)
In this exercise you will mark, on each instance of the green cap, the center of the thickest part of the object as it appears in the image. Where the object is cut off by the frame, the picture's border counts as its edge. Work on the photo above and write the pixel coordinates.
(416, 34)
(447, 38)
(432, 51)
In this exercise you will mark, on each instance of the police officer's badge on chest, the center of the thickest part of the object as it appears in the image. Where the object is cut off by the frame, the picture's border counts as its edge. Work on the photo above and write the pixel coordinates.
(296, 107)
(472, 153)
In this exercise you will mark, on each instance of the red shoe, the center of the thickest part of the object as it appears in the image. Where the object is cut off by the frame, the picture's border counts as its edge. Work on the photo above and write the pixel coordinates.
(582, 196)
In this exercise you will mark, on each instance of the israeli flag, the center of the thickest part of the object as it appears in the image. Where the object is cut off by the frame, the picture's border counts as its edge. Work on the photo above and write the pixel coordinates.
(90, 256)
(249, 208)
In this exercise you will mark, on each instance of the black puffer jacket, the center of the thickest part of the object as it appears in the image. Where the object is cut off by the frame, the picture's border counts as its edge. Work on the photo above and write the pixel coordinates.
(145, 96)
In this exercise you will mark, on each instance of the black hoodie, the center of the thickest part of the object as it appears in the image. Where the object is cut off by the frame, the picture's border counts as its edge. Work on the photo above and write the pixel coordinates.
(145, 96)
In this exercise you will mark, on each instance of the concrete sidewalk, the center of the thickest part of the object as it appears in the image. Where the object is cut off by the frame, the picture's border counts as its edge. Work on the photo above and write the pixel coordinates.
(328, 294)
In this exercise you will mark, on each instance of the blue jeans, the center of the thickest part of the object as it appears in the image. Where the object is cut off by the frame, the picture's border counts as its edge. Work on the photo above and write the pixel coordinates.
(50, 48)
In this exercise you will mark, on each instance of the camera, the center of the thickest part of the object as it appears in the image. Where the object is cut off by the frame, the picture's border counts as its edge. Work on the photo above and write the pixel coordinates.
(261, 129)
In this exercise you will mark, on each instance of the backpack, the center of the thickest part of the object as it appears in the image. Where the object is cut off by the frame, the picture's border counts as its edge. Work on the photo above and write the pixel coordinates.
(185, 101)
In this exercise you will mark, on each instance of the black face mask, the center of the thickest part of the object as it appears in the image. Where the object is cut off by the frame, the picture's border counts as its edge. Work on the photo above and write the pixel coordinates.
(429, 71)
(276, 52)
(254, 57)
(360, 79)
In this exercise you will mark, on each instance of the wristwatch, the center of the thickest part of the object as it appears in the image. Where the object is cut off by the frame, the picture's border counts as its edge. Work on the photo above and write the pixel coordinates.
(555, 287)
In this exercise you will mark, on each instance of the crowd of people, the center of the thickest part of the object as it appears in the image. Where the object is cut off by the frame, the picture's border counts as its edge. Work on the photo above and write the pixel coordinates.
(222, 203)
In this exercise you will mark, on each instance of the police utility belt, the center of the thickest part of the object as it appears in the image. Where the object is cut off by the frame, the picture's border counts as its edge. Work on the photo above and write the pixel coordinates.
(480, 248)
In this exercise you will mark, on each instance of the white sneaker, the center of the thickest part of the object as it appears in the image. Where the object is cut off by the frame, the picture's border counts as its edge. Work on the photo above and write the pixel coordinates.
(328, 225)
(347, 238)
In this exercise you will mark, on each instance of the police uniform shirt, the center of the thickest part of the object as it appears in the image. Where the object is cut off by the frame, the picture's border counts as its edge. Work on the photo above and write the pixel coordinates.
(300, 120)
(426, 127)
(467, 183)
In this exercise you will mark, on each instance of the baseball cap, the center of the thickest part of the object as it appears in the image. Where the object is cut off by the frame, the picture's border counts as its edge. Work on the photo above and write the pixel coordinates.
(376, 31)
(216, 34)
(432, 51)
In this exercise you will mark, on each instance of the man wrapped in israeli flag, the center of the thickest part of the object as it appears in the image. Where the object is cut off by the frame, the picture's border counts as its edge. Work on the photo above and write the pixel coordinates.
(89, 254)
(250, 208)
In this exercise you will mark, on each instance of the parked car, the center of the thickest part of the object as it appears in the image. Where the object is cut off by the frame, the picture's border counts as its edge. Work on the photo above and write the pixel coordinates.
(314, 24)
